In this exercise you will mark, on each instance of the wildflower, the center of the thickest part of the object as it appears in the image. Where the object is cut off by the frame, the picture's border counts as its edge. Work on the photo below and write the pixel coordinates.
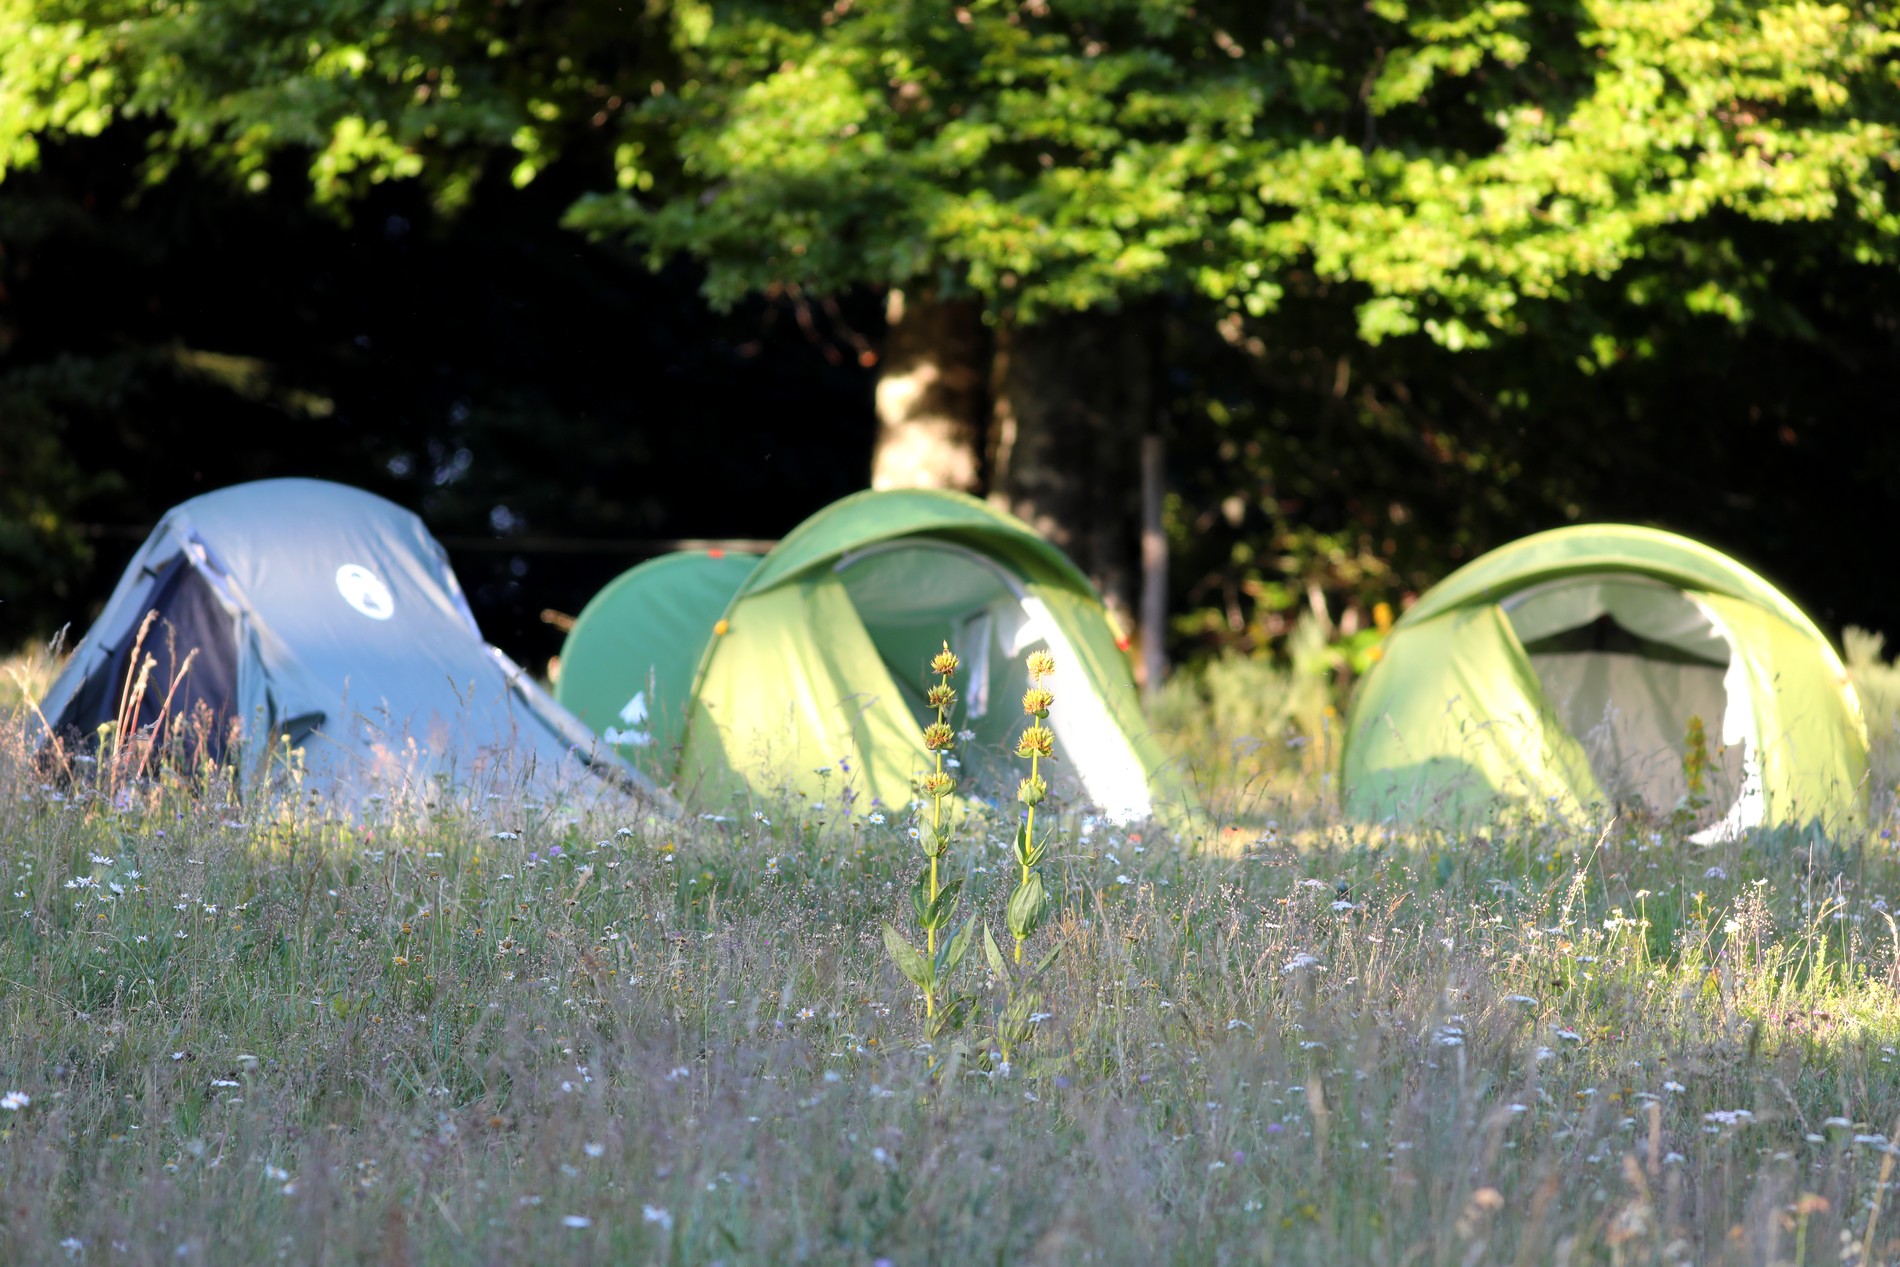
(1715, 873)
(937, 785)
(1520, 998)
(14, 1101)
(72, 1245)
(1674, 1086)
(941, 696)
(1037, 701)
(1729, 1117)
(965, 736)
(1031, 790)
(1569, 1035)
(1041, 665)
(832, 1075)
(945, 662)
(576, 1221)
(805, 1014)
(1300, 961)
(877, 820)
(938, 737)
(507, 835)
(594, 1150)
(1037, 741)
(1342, 906)
(276, 1174)
(1237, 1023)
(678, 1073)
(655, 1215)
(1122, 879)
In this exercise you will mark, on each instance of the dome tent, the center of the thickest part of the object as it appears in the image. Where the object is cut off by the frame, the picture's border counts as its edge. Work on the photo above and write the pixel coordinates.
(820, 672)
(299, 610)
(1568, 670)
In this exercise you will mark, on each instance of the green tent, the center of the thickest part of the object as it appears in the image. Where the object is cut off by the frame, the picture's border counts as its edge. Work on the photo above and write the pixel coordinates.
(806, 673)
(1568, 670)
(627, 665)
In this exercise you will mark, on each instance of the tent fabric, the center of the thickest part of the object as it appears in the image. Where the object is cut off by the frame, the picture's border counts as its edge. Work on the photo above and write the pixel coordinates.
(329, 616)
(627, 666)
(817, 683)
(1561, 671)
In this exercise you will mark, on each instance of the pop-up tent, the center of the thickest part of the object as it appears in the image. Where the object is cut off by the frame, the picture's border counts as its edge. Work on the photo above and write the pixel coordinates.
(818, 658)
(305, 612)
(1569, 671)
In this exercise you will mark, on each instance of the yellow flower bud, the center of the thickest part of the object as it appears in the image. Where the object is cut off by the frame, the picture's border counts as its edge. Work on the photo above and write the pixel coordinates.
(1031, 790)
(1041, 665)
(937, 785)
(938, 737)
(941, 696)
(1037, 701)
(1037, 741)
(945, 662)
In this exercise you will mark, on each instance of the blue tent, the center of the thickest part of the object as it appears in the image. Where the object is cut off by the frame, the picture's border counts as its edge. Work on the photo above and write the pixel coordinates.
(310, 614)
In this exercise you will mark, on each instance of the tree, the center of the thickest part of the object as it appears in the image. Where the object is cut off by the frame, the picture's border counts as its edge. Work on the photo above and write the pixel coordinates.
(1468, 169)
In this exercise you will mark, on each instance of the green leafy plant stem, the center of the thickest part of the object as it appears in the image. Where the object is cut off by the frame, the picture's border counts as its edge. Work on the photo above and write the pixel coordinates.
(1029, 835)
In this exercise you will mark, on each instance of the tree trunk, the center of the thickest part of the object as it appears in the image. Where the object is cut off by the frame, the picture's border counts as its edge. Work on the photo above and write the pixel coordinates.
(1073, 397)
(932, 395)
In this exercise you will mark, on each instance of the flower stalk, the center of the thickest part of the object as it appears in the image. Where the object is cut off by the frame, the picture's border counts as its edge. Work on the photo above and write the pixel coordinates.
(932, 900)
(1036, 742)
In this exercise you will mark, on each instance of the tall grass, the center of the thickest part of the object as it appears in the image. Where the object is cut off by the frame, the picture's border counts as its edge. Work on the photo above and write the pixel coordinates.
(253, 1035)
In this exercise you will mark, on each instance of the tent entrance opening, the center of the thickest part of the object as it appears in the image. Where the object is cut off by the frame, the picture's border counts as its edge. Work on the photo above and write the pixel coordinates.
(1628, 666)
(916, 594)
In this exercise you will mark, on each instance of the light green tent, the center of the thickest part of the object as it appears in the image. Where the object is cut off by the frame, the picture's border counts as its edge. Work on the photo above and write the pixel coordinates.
(1563, 671)
(822, 655)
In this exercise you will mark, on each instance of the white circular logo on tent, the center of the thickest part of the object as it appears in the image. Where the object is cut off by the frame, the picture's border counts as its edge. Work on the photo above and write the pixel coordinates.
(365, 591)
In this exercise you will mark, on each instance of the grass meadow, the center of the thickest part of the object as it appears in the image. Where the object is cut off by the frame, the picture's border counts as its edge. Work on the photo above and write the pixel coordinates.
(247, 1032)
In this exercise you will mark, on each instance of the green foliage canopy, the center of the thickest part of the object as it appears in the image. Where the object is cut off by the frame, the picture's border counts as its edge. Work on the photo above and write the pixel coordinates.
(1456, 161)
(363, 91)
